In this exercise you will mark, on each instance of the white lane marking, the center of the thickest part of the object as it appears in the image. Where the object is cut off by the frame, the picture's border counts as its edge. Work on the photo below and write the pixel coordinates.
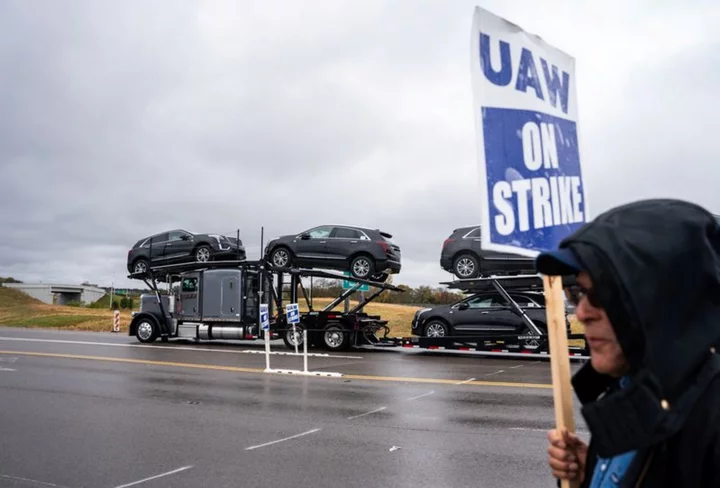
(7, 369)
(496, 372)
(521, 365)
(28, 480)
(367, 413)
(281, 440)
(466, 381)
(9, 360)
(184, 468)
(423, 395)
(250, 351)
(172, 348)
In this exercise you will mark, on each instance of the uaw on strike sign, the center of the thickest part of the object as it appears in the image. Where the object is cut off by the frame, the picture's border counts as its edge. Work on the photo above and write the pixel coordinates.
(527, 133)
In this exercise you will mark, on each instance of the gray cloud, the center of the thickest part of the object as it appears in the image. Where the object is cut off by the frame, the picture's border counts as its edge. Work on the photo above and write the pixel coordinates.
(120, 119)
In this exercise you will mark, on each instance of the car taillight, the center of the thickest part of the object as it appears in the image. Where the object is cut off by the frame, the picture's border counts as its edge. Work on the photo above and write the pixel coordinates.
(385, 246)
(447, 241)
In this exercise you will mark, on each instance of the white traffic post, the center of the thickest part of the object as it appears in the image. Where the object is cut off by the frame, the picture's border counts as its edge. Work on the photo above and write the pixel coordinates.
(305, 370)
(295, 339)
(265, 324)
(116, 321)
(266, 333)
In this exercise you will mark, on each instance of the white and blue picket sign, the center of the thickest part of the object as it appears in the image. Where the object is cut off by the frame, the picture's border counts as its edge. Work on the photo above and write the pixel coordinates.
(532, 186)
(293, 313)
(264, 316)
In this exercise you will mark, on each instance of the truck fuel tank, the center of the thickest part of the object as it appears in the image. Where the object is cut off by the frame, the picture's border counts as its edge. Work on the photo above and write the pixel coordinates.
(216, 331)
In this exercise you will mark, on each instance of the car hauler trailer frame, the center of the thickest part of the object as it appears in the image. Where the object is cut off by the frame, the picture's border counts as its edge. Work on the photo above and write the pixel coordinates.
(221, 300)
(326, 327)
(354, 329)
(533, 342)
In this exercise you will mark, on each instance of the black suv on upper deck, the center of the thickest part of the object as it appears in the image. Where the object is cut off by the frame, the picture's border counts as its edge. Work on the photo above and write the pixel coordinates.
(366, 253)
(181, 246)
(461, 255)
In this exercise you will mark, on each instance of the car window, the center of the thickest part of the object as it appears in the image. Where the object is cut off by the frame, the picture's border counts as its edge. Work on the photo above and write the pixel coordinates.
(176, 236)
(485, 301)
(319, 232)
(529, 299)
(474, 234)
(344, 233)
(141, 242)
(160, 238)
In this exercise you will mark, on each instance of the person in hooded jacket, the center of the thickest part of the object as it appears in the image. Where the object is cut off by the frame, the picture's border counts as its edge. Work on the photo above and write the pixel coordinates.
(647, 289)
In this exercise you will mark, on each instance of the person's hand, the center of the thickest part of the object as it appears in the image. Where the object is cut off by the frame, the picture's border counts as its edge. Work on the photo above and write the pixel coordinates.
(567, 455)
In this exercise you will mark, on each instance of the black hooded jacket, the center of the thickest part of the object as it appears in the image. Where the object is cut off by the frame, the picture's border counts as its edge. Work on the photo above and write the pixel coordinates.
(656, 267)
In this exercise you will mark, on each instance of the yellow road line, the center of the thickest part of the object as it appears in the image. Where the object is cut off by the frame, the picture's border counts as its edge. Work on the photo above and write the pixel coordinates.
(137, 361)
(260, 370)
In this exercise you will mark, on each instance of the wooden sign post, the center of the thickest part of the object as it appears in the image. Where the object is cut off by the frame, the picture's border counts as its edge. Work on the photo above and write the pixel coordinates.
(559, 359)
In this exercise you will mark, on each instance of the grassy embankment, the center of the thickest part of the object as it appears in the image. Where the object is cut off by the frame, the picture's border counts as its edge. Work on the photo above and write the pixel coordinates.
(21, 310)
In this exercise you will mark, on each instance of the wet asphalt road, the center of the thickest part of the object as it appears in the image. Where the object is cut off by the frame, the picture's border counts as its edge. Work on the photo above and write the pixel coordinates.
(102, 410)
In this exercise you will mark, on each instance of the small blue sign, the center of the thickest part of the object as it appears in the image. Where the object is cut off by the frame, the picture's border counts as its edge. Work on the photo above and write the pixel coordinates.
(264, 316)
(348, 284)
(293, 313)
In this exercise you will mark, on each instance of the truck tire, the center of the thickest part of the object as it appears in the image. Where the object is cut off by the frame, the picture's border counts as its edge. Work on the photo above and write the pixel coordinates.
(146, 329)
(335, 338)
(289, 340)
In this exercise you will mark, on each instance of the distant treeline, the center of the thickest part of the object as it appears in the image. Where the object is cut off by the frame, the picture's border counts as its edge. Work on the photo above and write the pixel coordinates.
(9, 280)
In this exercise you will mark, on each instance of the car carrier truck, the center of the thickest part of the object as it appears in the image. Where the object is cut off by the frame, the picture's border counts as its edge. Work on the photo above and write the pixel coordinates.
(221, 300)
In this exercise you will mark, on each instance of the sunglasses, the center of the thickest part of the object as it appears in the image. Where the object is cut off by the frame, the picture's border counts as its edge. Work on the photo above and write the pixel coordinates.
(575, 293)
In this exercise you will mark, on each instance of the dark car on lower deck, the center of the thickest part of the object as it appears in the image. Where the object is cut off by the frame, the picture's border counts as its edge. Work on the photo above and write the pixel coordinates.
(481, 314)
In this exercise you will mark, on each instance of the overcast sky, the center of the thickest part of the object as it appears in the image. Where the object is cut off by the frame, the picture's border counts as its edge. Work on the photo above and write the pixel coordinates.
(122, 119)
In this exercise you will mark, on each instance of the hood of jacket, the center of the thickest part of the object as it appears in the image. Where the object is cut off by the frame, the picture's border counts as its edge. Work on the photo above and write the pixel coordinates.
(655, 265)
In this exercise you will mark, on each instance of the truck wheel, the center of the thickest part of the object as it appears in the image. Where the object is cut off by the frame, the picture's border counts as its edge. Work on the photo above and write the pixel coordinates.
(335, 338)
(146, 330)
(290, 338)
